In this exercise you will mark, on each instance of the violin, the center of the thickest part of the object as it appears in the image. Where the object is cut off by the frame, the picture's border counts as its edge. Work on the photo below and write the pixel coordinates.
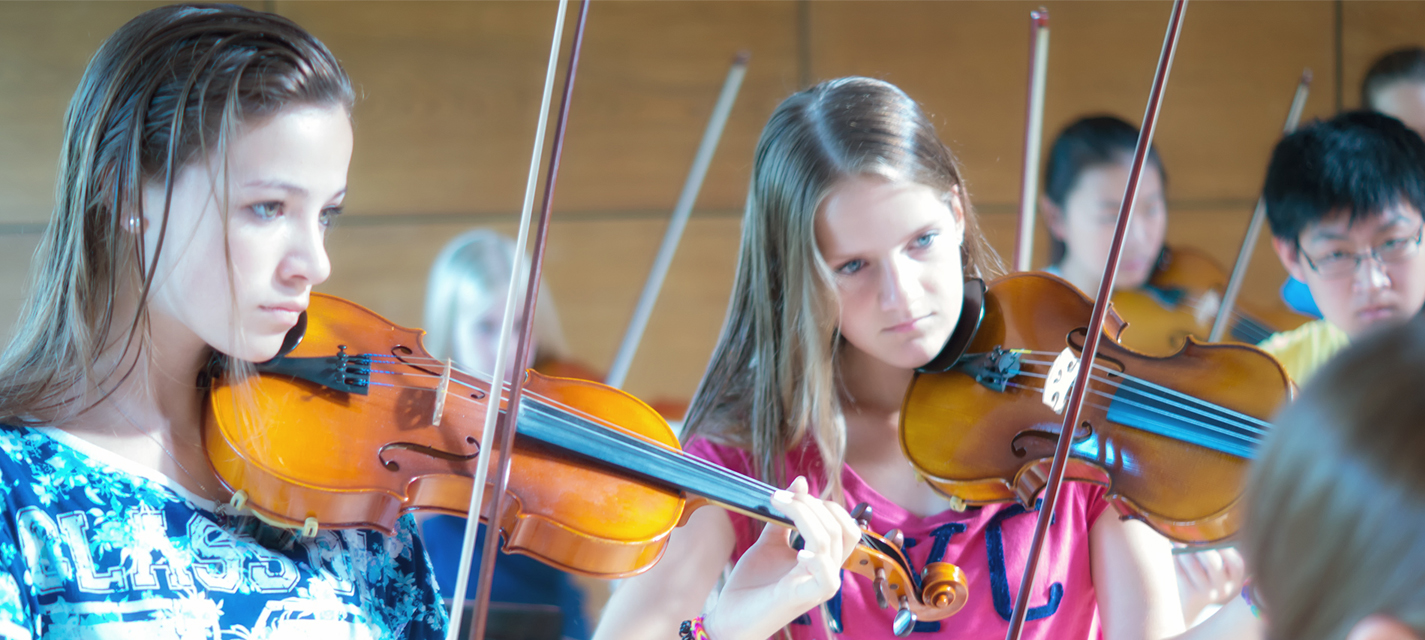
(355, 424)
(1182, 298)
(1171, 437)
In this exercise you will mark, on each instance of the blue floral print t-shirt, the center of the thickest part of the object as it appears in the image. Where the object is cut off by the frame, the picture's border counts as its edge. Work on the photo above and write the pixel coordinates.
(95, 546)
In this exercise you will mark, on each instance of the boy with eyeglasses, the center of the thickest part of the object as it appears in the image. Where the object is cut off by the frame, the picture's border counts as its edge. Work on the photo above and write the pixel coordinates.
(1344, 200)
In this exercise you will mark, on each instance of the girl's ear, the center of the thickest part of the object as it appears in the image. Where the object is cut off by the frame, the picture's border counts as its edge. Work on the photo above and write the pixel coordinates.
(1053, 217)
(957, 207)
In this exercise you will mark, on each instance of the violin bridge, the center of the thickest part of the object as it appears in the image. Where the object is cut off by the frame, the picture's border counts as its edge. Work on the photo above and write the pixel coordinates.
(1061, 380)
(440, 392)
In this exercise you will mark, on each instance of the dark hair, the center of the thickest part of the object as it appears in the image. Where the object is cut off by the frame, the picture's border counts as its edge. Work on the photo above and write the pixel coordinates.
(1335, 517)
(169, 87)
(1088, 142)
(1396, 66)
(1360, 161)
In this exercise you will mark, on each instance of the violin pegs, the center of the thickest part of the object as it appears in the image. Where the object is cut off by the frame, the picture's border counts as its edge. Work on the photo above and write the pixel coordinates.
(879, 586)
(904, 621)
(861, 513)
(896, 537)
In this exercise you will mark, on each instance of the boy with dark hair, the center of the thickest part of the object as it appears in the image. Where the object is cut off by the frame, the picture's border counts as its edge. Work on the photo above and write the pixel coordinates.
(1344, 200)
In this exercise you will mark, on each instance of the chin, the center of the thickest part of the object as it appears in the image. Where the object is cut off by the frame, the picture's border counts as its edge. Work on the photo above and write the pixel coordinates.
(260, 349)
(918, 354)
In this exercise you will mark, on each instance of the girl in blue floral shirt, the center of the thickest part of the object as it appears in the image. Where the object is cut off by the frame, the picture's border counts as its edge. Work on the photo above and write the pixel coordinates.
(205, 153)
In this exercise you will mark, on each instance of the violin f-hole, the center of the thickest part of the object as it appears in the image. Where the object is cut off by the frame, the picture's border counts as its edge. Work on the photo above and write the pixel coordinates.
(433, 452)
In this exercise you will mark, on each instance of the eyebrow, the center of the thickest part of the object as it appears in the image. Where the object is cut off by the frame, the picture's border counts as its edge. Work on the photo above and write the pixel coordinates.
(1322, 234)
(287, 186)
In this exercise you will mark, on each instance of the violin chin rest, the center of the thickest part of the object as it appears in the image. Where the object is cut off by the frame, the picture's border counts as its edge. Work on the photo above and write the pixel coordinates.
(972, 312)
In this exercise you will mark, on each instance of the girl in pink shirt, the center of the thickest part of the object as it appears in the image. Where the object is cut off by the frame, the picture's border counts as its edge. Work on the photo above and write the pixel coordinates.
(856, 243)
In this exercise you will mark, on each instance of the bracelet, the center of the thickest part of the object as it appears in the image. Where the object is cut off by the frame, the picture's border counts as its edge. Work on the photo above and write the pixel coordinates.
(693, 630)
(1248, 595)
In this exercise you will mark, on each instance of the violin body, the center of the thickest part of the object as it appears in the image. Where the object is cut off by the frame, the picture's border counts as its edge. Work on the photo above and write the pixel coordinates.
(361, 461)
(984, 445)
(1181, 299)
(341, 431)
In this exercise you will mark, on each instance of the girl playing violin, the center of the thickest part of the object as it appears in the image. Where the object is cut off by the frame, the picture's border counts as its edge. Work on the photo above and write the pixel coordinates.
(205, 154)
(1084, 183)
(857, 239)
(1165, 294)
(1335, 530)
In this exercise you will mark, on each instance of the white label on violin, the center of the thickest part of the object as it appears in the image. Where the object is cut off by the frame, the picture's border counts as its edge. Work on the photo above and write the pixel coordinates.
(1060, 380)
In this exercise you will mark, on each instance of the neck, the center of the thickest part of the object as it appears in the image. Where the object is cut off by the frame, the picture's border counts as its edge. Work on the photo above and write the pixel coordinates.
(871, 388)
(154, 384)
(1087, 280)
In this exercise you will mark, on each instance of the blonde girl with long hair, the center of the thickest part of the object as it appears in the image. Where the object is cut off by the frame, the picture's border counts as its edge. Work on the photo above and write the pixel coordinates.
(205, 153)
(857, 239)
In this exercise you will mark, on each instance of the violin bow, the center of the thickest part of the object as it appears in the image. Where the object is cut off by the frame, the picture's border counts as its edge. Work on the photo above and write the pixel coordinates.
(1033, 135)
(618, 371)
(1254, 228)
(1095, 327)
(506, 427)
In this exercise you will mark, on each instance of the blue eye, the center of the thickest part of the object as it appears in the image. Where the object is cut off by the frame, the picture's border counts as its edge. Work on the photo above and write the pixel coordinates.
(851, 267)
(267, 210)
(926, 239)
(329, 215)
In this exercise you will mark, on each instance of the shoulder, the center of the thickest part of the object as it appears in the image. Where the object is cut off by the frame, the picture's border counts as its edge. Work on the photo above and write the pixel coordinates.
(1303, 349)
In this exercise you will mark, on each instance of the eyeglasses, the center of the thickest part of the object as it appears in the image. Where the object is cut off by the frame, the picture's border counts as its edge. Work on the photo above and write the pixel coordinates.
(1340, 264)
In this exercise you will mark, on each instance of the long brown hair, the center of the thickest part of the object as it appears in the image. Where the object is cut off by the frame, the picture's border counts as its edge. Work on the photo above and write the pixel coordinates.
(166, 89)
(1336, 500)
(771, 381)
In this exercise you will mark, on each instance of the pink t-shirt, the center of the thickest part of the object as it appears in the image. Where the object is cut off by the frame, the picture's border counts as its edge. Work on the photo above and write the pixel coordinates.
(990, 544)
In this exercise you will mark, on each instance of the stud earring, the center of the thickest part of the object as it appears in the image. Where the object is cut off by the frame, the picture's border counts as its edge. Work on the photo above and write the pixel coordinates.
(132, 223)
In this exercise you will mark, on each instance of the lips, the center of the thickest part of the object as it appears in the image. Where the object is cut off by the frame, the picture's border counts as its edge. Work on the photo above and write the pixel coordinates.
(908, 325)
(287, 312)
(1376, 313)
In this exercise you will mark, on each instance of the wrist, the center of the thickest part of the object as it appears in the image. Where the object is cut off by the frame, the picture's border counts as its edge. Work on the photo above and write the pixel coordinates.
(694, 629)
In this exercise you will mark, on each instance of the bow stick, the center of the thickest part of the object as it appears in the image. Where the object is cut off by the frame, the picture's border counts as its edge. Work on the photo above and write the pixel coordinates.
(507, 426)
(1033, 135)
(1254, 228)
(487, 436)
(641, 312)
(1095, 327)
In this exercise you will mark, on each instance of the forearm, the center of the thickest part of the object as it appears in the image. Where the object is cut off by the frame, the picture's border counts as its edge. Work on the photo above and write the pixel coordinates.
(1234, 621)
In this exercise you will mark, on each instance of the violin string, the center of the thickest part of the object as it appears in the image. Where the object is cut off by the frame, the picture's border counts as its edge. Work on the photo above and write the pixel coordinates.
(1190, 404)
(1255, 325)
(1151, 409)
(1186, 400)
(1251, 438)
(745, 482)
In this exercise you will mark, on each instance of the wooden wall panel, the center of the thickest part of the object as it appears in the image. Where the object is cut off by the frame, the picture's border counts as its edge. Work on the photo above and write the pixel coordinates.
(595, 269)
(451, 91)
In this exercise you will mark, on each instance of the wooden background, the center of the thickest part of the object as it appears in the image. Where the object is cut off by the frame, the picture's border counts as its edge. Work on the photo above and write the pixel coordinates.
(449, 91)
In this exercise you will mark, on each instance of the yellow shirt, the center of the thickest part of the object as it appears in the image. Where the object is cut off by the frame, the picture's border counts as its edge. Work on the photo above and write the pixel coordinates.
(1304, 349)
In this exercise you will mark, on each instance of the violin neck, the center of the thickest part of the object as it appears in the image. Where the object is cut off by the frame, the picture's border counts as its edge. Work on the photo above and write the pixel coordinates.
(638, 458)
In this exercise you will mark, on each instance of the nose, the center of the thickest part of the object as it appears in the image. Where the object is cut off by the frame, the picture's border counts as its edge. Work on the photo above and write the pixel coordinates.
(305, 262)
(1373, 276)
(900, 282)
